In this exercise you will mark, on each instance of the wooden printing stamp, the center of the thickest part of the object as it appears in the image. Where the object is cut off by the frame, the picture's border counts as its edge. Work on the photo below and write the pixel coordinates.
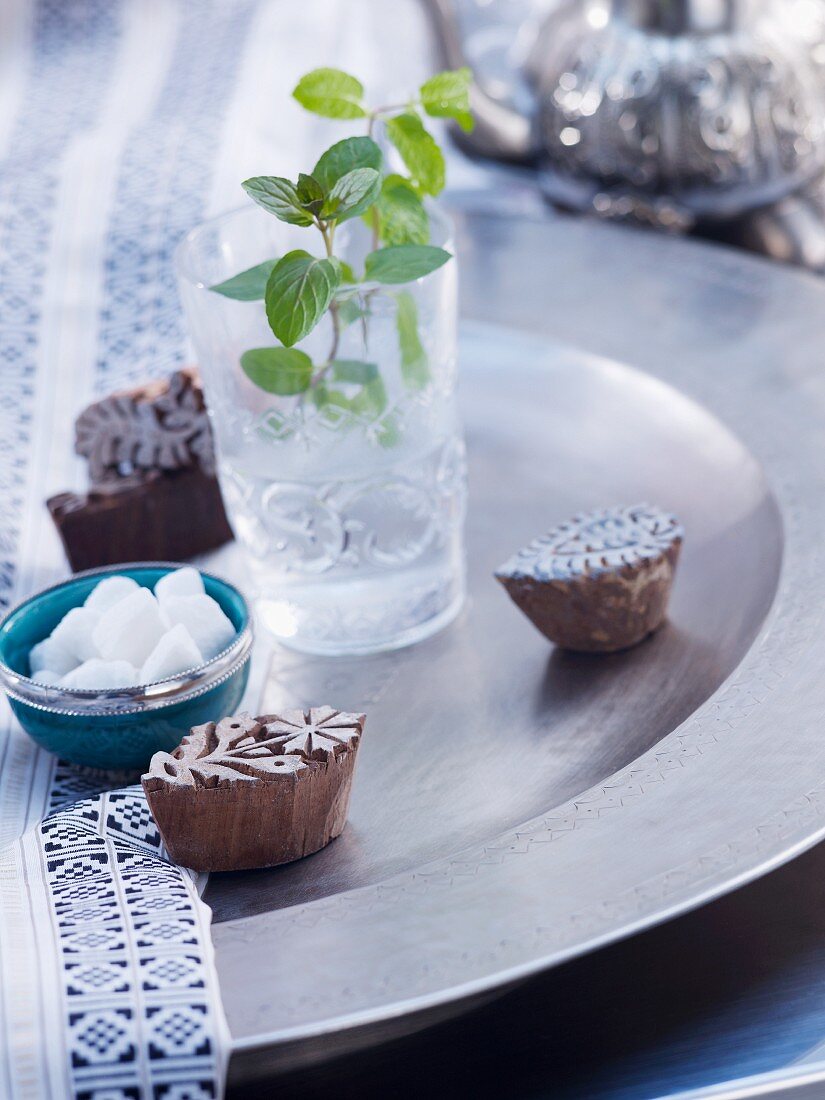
(254, 792)
(599, 582)
(153, 492)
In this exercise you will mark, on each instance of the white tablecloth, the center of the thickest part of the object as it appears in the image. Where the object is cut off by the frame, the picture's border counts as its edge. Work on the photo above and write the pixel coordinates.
(122, 124)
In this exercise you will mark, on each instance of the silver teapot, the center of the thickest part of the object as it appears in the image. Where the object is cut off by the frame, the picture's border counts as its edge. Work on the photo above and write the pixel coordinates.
(676, 112)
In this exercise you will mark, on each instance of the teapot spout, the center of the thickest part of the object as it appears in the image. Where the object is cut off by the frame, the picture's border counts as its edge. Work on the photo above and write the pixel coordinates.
(500, 130)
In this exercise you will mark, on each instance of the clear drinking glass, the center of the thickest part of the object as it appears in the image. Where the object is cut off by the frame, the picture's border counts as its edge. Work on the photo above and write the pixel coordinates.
(351, 516)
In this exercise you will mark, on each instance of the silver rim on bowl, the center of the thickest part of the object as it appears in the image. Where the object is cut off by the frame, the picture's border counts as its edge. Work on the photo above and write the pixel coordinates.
(130, 700)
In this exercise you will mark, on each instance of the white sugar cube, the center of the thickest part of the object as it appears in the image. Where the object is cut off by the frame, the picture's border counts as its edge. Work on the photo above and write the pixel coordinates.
(49, 655)
(109, 592)
(180, 582)
(75, 631)
(131, 629)
(175, 652)
(101, 675)
(46, 676)
(201, 615)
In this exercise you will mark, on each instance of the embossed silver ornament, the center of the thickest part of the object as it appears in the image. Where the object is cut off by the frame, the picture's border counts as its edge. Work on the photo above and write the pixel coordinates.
(667, 111)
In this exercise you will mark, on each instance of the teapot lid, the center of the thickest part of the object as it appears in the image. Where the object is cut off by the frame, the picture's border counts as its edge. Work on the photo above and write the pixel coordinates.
(681, 16)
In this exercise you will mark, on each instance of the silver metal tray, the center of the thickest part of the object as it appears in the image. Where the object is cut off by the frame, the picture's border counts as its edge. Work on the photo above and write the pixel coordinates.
(516, 806)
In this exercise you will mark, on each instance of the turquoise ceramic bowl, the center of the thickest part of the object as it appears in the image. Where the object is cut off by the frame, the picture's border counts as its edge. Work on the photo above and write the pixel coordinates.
(119, 729)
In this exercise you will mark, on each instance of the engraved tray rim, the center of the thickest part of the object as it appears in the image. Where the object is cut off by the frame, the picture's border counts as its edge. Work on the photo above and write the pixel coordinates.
(764, 403)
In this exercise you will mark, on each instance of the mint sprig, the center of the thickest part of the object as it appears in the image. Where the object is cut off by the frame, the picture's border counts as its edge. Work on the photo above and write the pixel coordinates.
(415, 369)
(447, 95)
(349, 181)
(331, 93)
(247, 286)
(402, 215)
(280, 197)
(298, 292)
(352, 194)
(285, 371)
(403, 263)
(345, 156)
(419, 151)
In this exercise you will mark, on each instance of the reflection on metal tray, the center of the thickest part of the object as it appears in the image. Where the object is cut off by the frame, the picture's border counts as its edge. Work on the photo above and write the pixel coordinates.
(515, 806)
(487, 726)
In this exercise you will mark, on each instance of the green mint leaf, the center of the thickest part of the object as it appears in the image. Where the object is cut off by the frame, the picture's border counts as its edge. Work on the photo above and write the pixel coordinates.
(388, 430)
(285, 371)
(279, 197)
(331, 93)
(349, 311)
(419, 151)
(344, 157)
(402, 263)
(310, 193)
(415, 369)
(246, 286)
(323, 395)
(371, 400)
(352, 194)
(353, 370)
(347, 274)
(403, 219)
(447, 95)
(298, 293)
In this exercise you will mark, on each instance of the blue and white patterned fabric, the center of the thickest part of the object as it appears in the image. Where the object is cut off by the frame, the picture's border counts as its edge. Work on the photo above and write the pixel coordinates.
(110, 121)
(138, 995)
(123, 123)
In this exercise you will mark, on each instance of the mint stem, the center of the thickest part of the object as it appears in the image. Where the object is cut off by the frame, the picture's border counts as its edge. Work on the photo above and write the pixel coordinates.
(328, 233)
(390, 107)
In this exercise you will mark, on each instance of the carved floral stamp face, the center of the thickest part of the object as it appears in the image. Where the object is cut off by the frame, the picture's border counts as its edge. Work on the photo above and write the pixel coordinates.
(596, 542)
(315, 734)
(266, 749)
(168, 430)
(599, 582)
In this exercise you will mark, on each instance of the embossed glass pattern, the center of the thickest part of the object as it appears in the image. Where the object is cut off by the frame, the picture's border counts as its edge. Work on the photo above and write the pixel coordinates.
(350, 512)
